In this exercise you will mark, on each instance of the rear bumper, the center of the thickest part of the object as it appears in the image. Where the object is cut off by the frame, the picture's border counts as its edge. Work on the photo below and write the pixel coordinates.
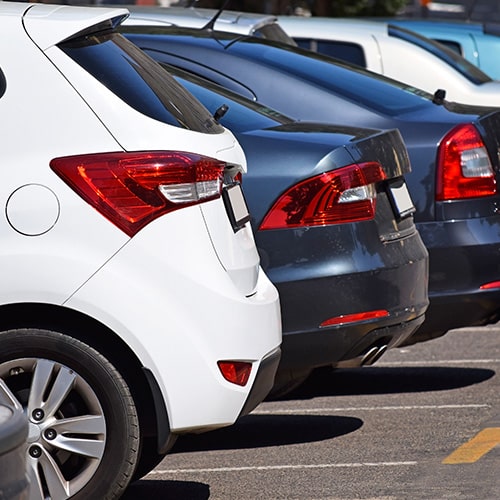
(167, 296)
(323, 274)
(344, 276)
(463, 256)
(263, 382)
(447, 312)
(343, 347)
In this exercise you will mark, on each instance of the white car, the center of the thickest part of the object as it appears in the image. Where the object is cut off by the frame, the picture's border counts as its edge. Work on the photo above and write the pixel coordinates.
(243, 23)
(132, 304)
(397, 53)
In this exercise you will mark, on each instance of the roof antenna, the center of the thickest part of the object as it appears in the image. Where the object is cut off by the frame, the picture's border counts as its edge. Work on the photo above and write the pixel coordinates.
(439, 96)
(210, 25)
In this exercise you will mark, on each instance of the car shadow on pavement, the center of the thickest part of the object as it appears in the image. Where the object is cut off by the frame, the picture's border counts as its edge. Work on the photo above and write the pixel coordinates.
(251, 431)
(258, 431)
(161, 489)
(387, 380)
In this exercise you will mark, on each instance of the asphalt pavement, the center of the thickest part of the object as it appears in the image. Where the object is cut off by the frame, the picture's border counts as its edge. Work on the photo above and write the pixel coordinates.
(423, 423)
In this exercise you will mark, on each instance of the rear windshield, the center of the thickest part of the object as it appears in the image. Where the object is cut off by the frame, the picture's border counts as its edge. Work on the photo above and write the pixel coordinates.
(139, 81)
(242, 114)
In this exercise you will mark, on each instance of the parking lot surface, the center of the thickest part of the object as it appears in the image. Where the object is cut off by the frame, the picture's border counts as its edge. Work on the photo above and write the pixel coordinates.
(423, 423)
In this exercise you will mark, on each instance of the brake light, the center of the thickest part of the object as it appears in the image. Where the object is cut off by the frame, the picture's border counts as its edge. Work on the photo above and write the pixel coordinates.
(132, 189)
(338, 196)
(236, 372)
(464, 169)
(355, 318)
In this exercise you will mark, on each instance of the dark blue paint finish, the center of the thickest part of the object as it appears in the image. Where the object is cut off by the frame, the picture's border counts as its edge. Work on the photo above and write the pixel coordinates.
(309, 86)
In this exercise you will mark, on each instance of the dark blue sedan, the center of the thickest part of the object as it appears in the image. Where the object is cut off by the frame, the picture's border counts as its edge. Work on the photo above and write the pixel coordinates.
(334, 228)
(454, 151)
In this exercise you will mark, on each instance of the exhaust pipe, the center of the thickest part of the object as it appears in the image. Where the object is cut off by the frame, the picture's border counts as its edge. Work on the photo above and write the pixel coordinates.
(373, 355)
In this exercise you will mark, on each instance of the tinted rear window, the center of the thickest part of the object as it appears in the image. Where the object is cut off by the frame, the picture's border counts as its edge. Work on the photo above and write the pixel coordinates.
(242, 114)
(139, 81)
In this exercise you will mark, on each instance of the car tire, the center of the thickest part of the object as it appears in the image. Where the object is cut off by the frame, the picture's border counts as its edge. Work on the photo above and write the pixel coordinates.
(84, 429)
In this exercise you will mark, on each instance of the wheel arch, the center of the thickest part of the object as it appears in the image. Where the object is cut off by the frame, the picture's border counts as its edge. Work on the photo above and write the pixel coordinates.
(153, 415)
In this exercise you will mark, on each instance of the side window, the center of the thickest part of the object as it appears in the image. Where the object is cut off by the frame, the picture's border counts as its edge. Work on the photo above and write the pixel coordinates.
(346, 51)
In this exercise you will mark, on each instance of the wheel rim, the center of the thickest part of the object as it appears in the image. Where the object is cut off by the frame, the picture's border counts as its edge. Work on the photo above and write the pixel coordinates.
(67, 428)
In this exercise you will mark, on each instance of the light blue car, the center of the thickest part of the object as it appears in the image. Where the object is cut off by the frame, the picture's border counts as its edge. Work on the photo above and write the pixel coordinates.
(477, 42)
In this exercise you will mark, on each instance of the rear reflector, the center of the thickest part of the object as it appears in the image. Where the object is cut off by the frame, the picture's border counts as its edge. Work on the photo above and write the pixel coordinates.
(464, 169)
(236, 372)
(335, 197)
(490, 286)
(354, 318)
(132, 189)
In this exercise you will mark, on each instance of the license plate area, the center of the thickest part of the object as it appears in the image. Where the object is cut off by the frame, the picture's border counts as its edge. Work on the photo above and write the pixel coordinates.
(236, 206)
(400, 198)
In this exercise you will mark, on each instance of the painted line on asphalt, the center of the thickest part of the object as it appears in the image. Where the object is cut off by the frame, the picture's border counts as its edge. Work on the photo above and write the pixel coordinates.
(284, 467)
(471, 451)
(298, 411)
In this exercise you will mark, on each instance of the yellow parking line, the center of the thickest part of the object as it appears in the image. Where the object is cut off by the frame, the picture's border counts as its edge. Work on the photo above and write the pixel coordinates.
(473, 450)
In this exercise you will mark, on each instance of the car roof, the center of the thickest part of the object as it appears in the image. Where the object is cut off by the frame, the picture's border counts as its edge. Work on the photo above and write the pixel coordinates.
(245, 23)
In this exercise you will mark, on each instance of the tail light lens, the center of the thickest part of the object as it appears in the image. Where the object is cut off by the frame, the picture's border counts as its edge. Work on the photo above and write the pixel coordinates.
(464, 169)
(132, 189)
(339, 196)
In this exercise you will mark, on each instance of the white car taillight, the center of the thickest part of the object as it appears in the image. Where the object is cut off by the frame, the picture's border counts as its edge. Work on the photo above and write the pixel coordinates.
(132, 189)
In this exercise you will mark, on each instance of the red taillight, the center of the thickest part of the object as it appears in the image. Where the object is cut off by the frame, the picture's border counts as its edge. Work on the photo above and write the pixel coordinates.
(354, 318)
(464, 169)
(236, 372)
(339, 196)
(132, 189)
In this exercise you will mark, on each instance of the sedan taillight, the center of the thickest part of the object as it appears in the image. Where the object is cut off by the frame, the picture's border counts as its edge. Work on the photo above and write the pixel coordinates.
(338, 196)
(132, 189)
(464, 169)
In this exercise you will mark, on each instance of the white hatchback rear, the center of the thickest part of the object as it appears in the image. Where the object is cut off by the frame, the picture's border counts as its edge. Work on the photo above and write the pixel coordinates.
(132, 304)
